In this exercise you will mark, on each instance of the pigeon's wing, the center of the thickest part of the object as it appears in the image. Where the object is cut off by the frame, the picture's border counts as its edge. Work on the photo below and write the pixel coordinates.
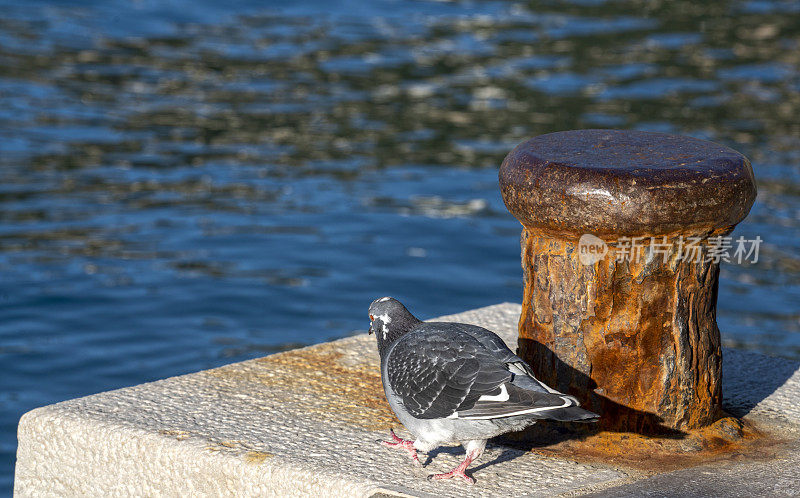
(488, 339)
(437, 374)
(442, 372)
(498, 348)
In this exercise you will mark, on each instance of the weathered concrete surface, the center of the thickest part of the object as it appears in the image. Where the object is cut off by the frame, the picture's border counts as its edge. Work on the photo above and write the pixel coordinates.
(303, 422)
(306, 422)
(779, 477)
(760, 387)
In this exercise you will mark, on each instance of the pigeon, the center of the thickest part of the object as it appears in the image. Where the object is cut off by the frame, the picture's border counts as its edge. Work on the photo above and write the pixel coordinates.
(454, 383)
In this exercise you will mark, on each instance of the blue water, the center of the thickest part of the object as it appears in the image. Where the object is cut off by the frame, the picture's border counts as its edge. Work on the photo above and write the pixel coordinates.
(188, 184)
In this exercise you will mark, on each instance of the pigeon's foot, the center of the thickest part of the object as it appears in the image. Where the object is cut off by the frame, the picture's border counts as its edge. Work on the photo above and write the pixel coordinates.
(451, 474)
(405, 444)
(459, 471)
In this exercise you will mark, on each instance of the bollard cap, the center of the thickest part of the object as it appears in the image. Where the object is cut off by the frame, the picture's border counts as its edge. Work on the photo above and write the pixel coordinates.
(625, 183)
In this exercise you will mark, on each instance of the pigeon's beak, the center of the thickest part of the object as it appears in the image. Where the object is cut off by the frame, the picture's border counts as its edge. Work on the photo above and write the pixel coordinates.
(371, 319)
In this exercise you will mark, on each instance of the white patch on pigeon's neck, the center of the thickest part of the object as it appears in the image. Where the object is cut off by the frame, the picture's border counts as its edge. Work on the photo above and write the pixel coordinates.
(385, 320)
(383, 299)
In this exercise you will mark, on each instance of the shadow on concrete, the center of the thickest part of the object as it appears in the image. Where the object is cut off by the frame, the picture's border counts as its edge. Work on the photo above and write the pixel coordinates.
(748, 378)
(614, 416)
(506, 454)
(443, 450)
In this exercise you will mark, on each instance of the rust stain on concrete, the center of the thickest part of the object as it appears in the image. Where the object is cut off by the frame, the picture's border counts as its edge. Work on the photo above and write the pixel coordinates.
(323, 385)
(328, 381)
(257, 456)
(728, 438)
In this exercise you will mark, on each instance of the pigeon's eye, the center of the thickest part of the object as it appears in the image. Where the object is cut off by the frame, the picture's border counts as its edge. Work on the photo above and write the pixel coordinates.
(371, 318)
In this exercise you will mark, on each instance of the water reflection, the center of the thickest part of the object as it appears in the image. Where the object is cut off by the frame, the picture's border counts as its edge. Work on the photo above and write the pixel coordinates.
(268, 171)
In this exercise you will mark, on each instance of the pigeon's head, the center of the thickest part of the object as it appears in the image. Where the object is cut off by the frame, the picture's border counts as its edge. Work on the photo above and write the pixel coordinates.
(389, 320)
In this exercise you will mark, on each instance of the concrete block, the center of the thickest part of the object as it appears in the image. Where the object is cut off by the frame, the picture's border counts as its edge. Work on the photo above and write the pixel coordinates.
(307, 422)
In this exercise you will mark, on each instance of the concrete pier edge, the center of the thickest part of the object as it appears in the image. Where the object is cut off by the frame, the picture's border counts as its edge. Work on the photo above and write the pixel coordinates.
(307, 422)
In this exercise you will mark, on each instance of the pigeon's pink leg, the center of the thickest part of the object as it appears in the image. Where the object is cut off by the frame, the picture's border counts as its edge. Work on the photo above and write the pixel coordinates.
(460, 470)
(406, 444)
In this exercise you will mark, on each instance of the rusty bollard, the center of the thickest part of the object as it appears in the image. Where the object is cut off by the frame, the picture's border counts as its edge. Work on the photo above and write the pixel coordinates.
(628, 328)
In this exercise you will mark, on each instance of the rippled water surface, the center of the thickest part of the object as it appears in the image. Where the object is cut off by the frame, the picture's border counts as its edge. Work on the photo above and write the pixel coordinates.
(191, 183)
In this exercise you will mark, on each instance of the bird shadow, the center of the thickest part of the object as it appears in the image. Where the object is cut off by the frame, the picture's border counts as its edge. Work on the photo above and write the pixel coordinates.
(506, 454)
(442, 450)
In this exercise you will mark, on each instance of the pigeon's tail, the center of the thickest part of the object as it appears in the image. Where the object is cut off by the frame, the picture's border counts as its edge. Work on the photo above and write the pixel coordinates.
(571, 414)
